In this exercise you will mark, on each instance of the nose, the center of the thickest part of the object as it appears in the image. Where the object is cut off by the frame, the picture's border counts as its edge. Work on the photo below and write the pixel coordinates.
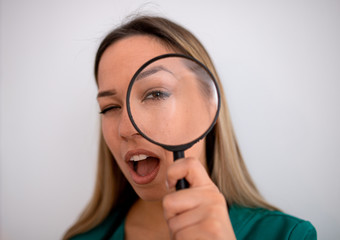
(125, 128)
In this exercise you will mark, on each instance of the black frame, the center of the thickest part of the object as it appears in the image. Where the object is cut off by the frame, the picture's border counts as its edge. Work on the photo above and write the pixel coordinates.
(181, 147)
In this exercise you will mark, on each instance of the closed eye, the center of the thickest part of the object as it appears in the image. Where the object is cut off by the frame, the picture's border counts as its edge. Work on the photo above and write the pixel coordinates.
(111, 108)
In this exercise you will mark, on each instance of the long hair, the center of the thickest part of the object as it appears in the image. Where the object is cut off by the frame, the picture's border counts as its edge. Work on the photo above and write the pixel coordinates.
(224, 160)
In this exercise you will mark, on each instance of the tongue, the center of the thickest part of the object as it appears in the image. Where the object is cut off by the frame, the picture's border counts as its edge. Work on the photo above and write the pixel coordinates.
(146, 166)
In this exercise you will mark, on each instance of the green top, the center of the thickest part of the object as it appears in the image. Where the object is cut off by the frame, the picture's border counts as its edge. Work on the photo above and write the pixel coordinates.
(248, 223)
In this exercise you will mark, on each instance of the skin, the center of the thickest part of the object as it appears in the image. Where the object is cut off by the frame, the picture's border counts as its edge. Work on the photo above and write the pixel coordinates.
(199, 212)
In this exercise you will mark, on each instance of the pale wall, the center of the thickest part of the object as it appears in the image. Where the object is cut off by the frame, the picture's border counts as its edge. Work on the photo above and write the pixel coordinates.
(280, 65)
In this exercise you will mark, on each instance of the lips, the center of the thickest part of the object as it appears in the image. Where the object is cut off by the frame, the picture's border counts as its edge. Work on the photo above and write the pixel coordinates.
(143, 165)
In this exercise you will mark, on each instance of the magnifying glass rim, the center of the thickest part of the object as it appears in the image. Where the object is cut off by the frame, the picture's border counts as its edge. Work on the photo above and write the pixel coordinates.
(180, 147)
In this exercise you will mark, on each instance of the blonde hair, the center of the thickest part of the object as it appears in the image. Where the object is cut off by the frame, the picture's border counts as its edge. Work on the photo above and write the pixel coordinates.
(225, 163)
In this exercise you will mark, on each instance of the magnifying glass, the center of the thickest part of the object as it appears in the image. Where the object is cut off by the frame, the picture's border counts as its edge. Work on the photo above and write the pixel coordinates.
(173, 101)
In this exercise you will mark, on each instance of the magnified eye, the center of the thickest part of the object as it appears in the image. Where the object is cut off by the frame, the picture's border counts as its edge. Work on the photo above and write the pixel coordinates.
(156, 95)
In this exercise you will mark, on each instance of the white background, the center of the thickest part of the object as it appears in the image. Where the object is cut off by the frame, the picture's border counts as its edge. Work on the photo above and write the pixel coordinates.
(280, 65)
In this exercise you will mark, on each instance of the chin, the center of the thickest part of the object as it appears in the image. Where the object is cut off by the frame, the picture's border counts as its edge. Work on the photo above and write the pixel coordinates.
(151, 193)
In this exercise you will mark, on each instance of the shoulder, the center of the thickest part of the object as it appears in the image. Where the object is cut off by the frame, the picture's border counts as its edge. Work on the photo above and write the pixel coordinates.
(259, 223)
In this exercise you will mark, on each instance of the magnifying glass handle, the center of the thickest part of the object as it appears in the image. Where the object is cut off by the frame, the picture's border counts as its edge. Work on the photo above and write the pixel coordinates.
(182, 183)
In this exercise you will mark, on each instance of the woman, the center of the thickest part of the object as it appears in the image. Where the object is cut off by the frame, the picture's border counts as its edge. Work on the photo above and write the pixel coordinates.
(222, 201)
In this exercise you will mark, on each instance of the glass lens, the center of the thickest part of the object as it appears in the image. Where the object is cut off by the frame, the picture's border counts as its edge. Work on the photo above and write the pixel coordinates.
(173, 100)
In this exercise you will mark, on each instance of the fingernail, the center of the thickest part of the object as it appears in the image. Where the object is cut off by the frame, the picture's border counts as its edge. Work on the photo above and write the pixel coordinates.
(167, 184)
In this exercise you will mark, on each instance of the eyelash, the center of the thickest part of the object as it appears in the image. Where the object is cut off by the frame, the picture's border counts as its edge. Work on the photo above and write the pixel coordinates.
(105, 110)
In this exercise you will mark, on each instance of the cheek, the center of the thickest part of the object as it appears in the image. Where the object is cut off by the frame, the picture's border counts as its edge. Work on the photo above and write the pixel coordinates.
(105, 129)
(198, 151)
(109, 130)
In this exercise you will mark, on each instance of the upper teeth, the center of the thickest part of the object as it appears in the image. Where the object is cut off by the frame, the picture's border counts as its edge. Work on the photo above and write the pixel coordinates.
(138, 157)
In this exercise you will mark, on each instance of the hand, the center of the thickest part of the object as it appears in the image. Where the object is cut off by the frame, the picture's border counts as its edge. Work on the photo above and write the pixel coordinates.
(199, 212)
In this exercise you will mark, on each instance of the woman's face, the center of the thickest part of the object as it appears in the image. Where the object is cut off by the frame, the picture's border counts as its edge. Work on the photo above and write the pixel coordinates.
(143, 164)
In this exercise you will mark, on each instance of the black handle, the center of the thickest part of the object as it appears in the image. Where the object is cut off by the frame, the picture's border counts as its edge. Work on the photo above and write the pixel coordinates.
(182, 183)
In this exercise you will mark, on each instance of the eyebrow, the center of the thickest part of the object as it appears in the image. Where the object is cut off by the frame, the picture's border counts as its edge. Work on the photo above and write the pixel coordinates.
(151, 71)
(107, 93)
(143, 74)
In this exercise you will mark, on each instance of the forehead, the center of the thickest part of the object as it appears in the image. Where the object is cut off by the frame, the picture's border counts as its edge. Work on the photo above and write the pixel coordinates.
(122, 59)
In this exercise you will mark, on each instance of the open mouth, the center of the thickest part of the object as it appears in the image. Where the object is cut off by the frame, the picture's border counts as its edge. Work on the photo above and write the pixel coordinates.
(143, 167)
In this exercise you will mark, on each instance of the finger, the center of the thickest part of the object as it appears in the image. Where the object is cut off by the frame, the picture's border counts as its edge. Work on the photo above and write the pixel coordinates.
(185, 200)
(189, 168)
(186, 219)
(180, 201)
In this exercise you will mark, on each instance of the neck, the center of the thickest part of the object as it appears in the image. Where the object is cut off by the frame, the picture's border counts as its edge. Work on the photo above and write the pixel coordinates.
(152, 211)
(146, 216)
